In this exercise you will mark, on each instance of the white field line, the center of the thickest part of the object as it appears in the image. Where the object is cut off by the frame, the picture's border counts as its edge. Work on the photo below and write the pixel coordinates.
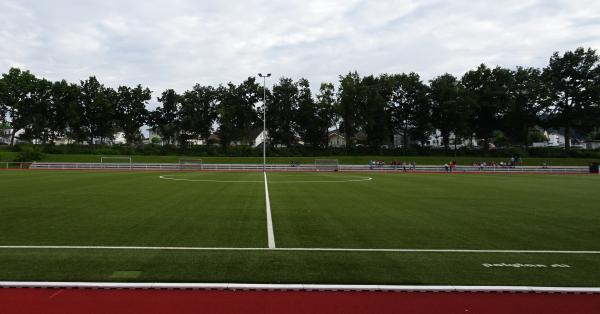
(185, 248)
(175, 178)
(297, 287)
(270, 234)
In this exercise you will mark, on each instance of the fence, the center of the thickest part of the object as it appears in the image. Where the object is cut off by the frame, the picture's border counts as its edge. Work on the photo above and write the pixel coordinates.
(294, 168)
(15, 165)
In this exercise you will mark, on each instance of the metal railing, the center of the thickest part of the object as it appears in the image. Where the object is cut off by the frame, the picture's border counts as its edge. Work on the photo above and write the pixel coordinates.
(15, 165)
(295, 168)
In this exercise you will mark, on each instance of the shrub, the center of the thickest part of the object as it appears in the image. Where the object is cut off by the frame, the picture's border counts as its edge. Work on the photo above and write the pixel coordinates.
(28, 154)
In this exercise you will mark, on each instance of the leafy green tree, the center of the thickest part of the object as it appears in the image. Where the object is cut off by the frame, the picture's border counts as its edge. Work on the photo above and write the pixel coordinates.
(66, 119)
(350, 101)
(165, 119)
(131, 112)
(326, 116)
(536, 136)
(198, 111)
(237, 114)
(3, 106)
(573, 91)
(306, 119)
(409, 107)
(98, 111)
(40, 113)
(315, 117)
(522, 113)
(16, 98)
(376, 123)
(282, 107)
(488, 94)
(449, 112)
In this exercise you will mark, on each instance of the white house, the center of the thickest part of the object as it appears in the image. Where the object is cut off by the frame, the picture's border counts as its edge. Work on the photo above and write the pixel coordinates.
(260, 138)
(336, 139)
(6, 134)
(435, 140)
(555, 139)
(119, 138)
(593, 144)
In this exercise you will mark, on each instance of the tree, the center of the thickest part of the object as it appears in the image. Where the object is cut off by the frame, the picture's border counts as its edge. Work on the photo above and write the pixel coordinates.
(449, 110)
(198, 111)
(325, 114)
(315, 117)
(522, 113)
(18, 87)
(237, 113)
(98, 111)
(351, 97)
(130, 107)
(282, 108)
(487, 92)
(572, 81)
(409, 108)
(3, 106)
(40, 113)
(375, 121)
(165, 120)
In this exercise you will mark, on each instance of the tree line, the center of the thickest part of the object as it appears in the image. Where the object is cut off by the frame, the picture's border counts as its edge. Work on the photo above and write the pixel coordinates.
(483, 103)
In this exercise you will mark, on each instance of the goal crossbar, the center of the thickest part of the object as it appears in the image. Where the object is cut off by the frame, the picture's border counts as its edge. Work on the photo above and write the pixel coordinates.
(190, 164)
(104, 159)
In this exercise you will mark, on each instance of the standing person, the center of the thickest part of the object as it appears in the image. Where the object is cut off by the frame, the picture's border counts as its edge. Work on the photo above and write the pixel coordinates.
(446, 167)
(414, 165)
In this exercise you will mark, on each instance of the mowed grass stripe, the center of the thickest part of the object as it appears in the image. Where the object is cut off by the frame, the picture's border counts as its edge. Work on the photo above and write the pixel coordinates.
(62, 208)
(524, 212)
(330, 229)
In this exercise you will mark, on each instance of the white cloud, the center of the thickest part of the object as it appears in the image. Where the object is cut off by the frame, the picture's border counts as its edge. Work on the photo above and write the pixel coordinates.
(174, 44)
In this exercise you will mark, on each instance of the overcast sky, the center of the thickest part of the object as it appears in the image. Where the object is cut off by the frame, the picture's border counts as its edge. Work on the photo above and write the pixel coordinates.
(176, 43)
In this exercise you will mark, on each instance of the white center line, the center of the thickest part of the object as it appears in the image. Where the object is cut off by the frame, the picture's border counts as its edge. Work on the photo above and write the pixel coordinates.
(270, 234)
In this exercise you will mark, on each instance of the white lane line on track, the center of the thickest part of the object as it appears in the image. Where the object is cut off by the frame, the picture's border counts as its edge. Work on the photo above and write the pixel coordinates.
(283, 287)
(184, 248)
(270, 234)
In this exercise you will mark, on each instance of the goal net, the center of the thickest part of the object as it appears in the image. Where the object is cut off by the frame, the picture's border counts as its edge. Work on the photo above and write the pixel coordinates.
(190, 164)
(116, 161)
(327, 165)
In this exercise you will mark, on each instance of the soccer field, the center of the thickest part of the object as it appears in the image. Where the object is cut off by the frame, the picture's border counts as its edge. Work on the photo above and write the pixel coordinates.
(324, 227)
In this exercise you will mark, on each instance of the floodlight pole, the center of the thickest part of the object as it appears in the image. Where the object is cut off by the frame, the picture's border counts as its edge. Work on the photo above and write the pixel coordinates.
(264, 77)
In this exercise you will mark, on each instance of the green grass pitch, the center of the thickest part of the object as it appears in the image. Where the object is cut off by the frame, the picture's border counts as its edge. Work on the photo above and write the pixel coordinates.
(314, 214)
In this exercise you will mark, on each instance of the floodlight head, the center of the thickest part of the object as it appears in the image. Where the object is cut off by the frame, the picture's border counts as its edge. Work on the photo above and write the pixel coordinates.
(268, 74)
(260, 74)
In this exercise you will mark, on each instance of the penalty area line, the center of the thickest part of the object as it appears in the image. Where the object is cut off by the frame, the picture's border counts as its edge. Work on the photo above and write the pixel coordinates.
(270, 234)
(184, 248)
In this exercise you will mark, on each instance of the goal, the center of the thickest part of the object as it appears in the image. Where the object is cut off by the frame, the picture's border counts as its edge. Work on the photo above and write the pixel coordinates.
(190, 164)
(327, 165)
(116, 161)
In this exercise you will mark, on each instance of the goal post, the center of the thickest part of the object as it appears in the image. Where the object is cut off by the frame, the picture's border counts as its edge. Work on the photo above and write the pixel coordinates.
(327, 165)
(116, 161)
(190, 164)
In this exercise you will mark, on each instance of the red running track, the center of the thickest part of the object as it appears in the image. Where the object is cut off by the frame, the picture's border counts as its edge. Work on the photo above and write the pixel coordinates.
(65, 301)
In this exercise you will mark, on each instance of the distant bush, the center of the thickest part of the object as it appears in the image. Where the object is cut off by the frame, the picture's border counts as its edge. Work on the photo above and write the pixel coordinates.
(29, 153)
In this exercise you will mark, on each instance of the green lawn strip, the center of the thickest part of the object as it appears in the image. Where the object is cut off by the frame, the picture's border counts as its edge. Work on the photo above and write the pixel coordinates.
(92, 208)
(516, 212)
(298, 267)
(360, 160)
(440, 211)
